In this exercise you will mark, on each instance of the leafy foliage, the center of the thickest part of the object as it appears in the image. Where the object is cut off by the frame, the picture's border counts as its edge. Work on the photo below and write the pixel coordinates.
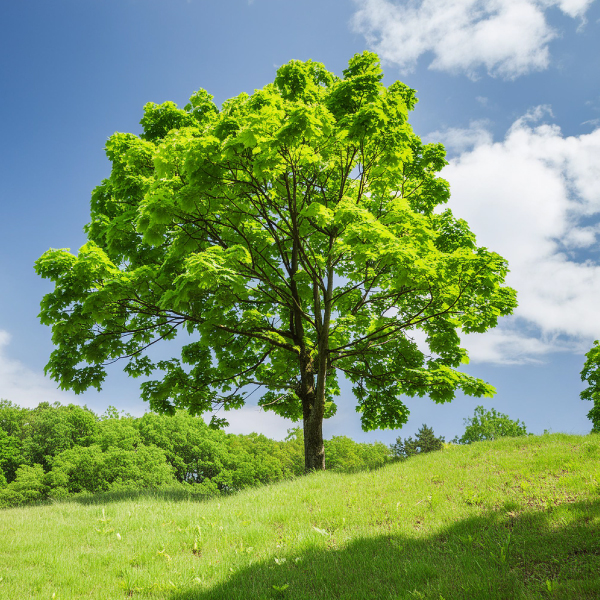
(34, 436)
(117, 451)
(489, 425)
(90, 469)
(288, 237)
(425, 441)
(50, 430)
(11, 444)
(344, 454)
(591, 374)
(10, 455)
(28, 486)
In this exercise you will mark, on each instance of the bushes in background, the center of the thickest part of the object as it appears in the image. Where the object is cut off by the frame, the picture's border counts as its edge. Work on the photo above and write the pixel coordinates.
(344, 454)
(54, 451)
(489, 425)
(425, 441)
(27, 487)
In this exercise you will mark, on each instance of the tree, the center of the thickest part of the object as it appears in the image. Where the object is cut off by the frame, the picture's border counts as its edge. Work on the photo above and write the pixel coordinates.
(344, 454)
(12, 420)
(52, 428)
(489, 425)
(28, 486)
(591, 374)
(11, 456)
(287, 238)
(425, 441)
(89, 469)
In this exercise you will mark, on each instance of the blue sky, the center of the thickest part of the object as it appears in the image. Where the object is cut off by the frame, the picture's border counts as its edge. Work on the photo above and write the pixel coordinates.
(511, 87)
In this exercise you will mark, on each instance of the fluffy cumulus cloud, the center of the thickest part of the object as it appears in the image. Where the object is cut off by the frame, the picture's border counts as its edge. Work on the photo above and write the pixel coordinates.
(21, 385)
(534, 198)
(248, 419)
(507, 38)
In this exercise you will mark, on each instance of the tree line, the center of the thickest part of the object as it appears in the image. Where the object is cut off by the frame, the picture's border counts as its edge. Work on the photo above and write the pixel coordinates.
(53, 452)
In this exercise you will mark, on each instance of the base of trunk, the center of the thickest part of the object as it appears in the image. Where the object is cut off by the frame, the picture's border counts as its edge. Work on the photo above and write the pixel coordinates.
(314, 449)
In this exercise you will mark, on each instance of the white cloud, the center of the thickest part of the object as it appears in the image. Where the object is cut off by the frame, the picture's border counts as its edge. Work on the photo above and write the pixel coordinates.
(462, 139)
(507, 345)
(25, 387)
(508, 38)
(251, 419)
(533, 198)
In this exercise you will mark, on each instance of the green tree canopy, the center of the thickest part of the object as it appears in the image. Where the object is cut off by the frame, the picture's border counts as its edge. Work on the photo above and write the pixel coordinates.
(591, 374)
(12, 419)
(489, 425)
(291, 235)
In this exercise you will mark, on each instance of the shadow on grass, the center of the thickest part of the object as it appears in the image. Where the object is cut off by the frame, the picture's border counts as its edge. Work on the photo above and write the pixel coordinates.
(498, 555)
(182, 493)
(125, 495)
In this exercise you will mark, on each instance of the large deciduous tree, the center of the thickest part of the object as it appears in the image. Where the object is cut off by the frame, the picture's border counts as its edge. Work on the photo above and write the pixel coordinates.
(291, 235)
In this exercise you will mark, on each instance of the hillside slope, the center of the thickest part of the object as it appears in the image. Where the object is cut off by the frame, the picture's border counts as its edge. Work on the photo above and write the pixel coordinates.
(514, 518)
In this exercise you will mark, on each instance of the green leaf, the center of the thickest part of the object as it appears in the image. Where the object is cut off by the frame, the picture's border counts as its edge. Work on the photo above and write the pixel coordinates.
(270, 245)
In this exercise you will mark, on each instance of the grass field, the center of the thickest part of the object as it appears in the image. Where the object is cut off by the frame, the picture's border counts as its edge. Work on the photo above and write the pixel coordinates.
(515, 518)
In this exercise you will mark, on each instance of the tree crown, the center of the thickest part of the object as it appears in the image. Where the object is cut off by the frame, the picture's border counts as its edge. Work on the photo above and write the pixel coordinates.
(490, 425)
(425, 441)
(591, 374)
(290, 234)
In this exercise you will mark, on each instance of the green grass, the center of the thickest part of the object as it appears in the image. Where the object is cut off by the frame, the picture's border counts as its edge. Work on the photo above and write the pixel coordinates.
(515, 518)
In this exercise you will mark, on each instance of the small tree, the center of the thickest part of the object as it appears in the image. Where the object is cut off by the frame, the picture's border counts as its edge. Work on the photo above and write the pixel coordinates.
(489, 425)
(28, 486)
(591, 374)
(425, 441)
(291, 236)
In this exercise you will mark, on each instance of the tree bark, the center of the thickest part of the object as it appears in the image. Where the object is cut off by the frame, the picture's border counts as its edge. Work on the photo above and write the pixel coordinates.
(314, 449)
(311, 396)
(313, 404)
(313, 410)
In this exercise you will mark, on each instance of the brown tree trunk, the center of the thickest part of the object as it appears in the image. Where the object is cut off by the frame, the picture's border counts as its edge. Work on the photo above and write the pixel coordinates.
(312, 397)
(314, 449)
(313, 404)
(313, 410)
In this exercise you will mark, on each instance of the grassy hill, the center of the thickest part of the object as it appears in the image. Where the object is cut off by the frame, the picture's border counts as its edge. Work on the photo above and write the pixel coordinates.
(515, 518)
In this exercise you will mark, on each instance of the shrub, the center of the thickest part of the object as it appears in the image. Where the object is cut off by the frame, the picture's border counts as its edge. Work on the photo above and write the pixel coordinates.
(248, 460)
(89, 469)
(119, 432)
(425, 441)
(11, 456)
(489, 425)
(344, 454)
(12, 418)
(29, 486)
(195, 451)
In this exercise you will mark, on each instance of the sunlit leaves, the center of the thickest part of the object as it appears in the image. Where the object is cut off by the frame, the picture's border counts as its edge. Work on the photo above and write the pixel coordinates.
(591, 375)
(290, 236)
